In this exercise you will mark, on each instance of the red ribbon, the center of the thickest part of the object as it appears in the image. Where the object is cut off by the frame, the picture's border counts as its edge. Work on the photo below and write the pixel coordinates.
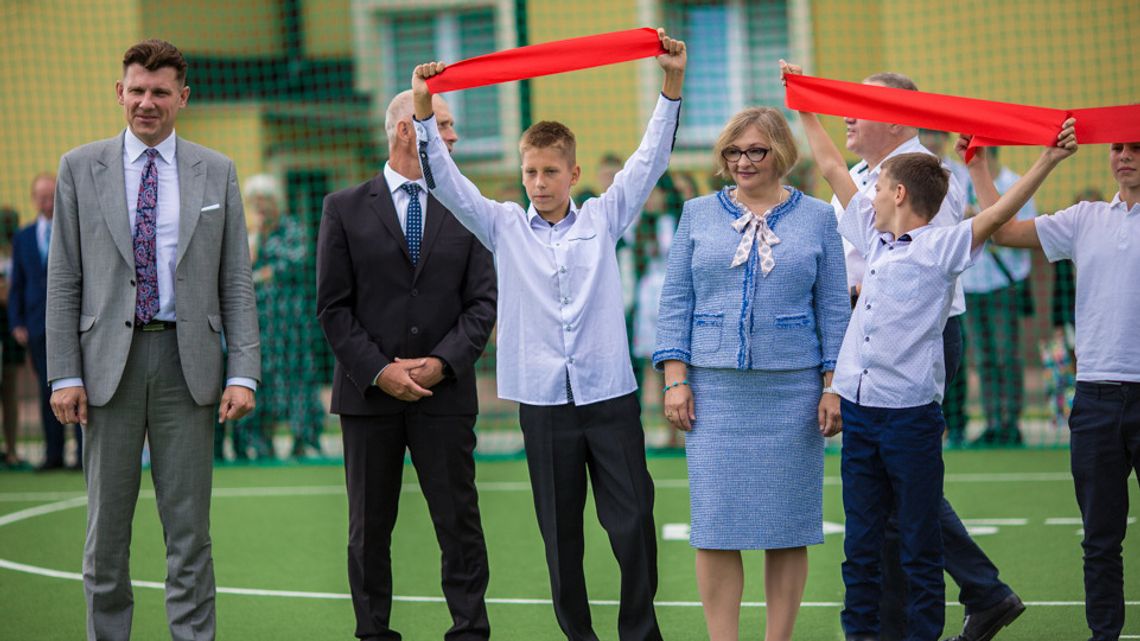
(993, 124)
(548, 58)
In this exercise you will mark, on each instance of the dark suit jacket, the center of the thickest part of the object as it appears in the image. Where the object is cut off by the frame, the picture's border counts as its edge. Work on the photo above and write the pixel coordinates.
(27, 291)
(374, 306)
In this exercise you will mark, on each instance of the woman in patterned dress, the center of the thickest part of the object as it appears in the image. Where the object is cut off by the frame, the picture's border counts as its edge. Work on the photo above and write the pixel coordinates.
(753, 311)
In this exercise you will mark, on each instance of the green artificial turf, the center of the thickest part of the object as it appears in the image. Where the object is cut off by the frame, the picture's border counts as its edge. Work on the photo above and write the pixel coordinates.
(284, 529)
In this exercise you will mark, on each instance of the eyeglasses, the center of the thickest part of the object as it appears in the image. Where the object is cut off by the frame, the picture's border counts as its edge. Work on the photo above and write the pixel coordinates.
(755, 154)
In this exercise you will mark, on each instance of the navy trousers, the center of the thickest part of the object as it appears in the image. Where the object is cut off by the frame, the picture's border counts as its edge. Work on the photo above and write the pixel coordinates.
(54, 441)
(893, 457)
(966, 563)
(1104, 450)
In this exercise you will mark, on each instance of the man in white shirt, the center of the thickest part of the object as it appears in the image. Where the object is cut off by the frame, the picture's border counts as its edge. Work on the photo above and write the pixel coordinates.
(563, 352)
(1103, 241)
(149, 266)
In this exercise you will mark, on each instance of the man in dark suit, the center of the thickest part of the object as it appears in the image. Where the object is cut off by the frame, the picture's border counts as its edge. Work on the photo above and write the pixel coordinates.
(27, 300)
(406, 298)
(149, 266)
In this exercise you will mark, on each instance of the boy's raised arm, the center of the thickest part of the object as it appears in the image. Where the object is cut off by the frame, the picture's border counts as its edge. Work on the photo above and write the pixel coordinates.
(994, 217)
(827, 156)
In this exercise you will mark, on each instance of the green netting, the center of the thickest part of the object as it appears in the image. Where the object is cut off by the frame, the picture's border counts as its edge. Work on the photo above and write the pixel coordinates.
(296, 90)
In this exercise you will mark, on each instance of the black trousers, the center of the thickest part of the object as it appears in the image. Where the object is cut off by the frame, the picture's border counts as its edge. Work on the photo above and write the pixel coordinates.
(976, 576)
(605, 439)
(1104, 451)
(442, 450)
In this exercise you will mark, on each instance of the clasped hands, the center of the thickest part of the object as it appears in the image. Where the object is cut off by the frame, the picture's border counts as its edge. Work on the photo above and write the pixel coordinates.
(410, 379)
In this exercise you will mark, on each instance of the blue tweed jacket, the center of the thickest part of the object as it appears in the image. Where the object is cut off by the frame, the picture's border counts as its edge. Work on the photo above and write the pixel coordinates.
(715, 316)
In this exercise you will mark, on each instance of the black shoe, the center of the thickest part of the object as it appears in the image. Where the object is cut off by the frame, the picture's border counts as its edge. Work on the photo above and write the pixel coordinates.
(984, 625)
(48, 467)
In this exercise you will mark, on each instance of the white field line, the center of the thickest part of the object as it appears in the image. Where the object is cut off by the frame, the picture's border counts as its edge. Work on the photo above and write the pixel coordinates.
(299, 594)
(508, 486)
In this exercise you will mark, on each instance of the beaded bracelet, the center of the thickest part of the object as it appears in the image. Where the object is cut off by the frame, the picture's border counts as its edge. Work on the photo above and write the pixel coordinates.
(672, 385)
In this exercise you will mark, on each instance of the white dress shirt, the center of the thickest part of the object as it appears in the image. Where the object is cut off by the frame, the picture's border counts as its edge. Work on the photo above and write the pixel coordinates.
(167, 215)
(560, 295)
(1103, 241)
(400, 197)
(892, 351)
(951, 212)
(167, 212)
(985, 276)
(43, 228)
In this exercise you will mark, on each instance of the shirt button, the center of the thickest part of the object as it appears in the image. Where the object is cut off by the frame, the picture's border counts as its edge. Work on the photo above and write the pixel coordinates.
(872, 272)
(866, 339)
(414, 330)
(565, 300)
(868, 306)
(570, 360)
(562, 269)
(568, 328)
(866, 372)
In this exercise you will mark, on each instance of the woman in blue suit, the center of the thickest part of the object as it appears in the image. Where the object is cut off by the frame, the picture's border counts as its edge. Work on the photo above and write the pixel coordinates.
(752, 314)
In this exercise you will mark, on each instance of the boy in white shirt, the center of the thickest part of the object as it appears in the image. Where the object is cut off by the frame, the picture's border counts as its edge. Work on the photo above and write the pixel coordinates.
(890, 371)
(563, 351)
(1103, 241)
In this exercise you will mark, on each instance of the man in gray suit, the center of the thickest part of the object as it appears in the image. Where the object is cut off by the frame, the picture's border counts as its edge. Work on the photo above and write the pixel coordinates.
(148, 268)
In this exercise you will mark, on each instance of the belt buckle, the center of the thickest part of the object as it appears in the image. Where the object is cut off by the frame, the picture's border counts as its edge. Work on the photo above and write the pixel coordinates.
(154, 326)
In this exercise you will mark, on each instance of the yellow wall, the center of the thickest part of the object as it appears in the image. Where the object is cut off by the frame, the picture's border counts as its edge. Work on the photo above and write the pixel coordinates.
(234, 130)
(1048, 53)
(217, 27)
(54, 98)
(328, 28)
(601, 106)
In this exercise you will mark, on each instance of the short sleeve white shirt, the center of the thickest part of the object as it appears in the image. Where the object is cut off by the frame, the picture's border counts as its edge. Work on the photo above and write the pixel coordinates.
(1103, 241)
(892, 351)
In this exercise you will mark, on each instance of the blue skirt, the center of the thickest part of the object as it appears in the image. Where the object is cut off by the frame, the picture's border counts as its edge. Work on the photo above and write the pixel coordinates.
(755, 459)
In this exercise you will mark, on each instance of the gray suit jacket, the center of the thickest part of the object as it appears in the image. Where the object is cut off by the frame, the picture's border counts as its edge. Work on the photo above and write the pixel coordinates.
(91, 273)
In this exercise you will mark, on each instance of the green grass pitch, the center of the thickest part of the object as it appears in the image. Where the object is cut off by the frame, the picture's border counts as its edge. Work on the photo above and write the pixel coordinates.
(281, 532)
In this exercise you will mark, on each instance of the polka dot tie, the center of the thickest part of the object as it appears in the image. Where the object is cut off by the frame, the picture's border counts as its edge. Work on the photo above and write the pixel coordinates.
(146, 224)
(414, 224)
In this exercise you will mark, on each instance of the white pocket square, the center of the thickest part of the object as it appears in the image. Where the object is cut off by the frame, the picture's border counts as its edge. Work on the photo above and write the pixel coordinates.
(212, 207)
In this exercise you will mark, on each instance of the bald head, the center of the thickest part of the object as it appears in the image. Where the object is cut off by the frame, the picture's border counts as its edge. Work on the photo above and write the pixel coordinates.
(871, 140)
(402, 135)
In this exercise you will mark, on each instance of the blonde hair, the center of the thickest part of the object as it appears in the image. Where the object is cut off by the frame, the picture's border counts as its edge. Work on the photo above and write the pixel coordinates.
(548, 134)
(775, 128)
(264, 185)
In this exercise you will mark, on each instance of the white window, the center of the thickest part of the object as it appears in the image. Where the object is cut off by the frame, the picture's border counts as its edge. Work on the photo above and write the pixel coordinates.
(734, 48)
(393, 37)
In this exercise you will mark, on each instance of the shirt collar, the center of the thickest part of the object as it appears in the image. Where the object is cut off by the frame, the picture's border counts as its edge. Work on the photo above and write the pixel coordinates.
(1117, 203)
(396, 180)
(532, 215)
(136, 147)
(886, 238)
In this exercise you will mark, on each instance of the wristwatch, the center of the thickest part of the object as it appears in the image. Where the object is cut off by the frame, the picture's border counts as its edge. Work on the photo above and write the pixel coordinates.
(830, 390)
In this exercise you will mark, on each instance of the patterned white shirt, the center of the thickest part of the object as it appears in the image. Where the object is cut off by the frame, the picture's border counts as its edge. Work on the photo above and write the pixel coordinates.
(1103, 241)
(892, 351)
(950, 213)
(560, 293)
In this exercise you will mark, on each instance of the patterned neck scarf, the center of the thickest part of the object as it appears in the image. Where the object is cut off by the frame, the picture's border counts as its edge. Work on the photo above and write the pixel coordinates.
(756, 231)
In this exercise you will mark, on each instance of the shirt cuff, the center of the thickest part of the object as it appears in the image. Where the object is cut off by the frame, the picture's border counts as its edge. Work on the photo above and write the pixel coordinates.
(243, 381)
(61, 383)
(376, 379)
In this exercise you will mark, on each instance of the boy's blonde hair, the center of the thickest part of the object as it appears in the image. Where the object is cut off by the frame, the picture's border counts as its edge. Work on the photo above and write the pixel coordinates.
(549, 134)
(925, 179)
(775, 128)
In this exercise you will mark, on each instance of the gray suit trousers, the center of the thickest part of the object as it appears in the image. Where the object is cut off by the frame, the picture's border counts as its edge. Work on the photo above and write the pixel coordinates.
(152, 402)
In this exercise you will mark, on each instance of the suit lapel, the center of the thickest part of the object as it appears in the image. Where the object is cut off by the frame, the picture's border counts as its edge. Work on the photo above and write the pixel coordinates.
(385, 210)
(432, 227)
(110, 178)
(191, 188)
